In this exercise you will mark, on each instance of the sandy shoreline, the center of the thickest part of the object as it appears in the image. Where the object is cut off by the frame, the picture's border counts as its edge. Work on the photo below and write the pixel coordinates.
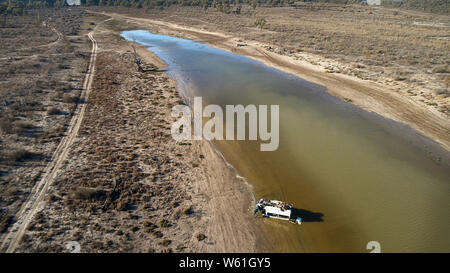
(368, 95)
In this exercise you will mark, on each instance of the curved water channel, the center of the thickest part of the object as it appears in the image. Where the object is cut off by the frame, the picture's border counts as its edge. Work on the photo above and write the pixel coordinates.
(354, 176)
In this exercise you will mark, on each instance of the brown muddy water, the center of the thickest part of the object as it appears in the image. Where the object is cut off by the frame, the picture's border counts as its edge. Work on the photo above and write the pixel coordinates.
(354, 176)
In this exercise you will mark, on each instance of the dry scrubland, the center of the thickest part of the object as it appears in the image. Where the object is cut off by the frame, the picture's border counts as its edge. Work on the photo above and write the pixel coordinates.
(406, 50)
(120, 170)
(42, 60)
(126, 185)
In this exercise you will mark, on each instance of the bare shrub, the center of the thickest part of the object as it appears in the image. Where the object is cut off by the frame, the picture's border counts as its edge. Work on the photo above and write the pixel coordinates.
(446, 81)
(165, 242)
(19, 155)
(5, 221)
(201, 237)
(86, 193)
(188, 210)
(53, 111)
(443, 92)
(442, 69)
(70, 99)
(6, 126)
(23, 125)
(164, 223)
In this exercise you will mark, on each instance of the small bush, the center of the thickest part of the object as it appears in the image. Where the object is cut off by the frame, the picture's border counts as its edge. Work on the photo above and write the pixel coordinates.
(63, 66)
(86, 193)
(134, 229)
(165, 242)
(149, 225)
(201, 237)
(446, 81)
(79, 54)
(443, 92)
(67, 47)
(164, 223)
(23, 125)
(188, 211)
(6, 126)
(122, 204)
(19, 155)
(5, 221)
(70, 99)
(348, 100)
(180, 248)
(442, 69)
(53, 111)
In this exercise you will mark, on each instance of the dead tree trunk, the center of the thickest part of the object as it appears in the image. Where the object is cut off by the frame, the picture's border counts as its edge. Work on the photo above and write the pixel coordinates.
(137, 61)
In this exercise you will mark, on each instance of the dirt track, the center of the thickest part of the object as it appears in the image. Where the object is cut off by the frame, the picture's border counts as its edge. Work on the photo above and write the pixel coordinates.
(32, 206)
